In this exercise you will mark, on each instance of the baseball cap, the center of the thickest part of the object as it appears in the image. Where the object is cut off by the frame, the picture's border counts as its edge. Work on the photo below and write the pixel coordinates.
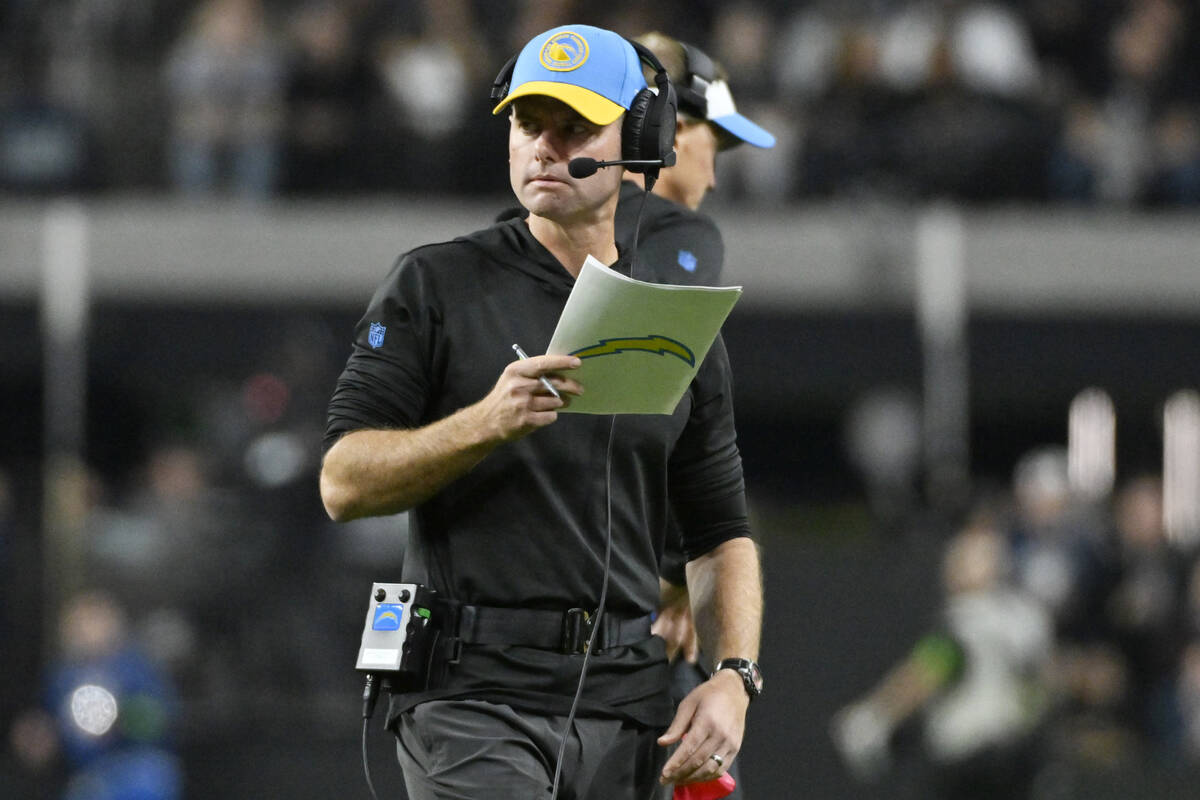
(724, 114)
(593, 70)
(706, 95)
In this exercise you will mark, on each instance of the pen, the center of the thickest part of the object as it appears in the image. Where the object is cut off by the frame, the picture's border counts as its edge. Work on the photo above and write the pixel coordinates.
(545, 381)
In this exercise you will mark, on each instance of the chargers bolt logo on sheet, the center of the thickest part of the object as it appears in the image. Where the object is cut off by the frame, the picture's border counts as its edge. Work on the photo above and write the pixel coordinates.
(375, 334)
(564, 51)
(661, 345)
(387, 617)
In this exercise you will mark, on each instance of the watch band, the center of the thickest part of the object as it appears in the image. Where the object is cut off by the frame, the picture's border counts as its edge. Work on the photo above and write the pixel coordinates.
(749, 671)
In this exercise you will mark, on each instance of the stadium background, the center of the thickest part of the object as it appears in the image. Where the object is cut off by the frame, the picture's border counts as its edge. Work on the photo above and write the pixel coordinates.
(1057, 140)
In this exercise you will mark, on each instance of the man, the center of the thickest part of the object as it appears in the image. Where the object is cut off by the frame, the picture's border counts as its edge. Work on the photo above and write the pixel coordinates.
(979, 682)
(513, 505)
(677, 244)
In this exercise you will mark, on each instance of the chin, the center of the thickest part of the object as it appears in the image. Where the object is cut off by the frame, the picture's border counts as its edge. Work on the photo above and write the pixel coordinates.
(550, 206)
(540, 206)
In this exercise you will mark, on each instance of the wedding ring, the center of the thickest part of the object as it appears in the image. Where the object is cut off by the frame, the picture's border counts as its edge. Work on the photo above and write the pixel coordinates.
(720, 761)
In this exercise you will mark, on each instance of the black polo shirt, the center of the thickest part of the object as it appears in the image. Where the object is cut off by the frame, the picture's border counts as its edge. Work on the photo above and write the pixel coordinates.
(526, 528)
(675, 244)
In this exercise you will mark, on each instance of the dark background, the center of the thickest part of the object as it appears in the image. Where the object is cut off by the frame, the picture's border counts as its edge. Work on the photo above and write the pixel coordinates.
(845, 599)
(1094, 152)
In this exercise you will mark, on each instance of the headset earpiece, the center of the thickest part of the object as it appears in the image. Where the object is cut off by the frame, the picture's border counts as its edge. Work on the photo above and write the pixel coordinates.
(503, 79)
(692, 86)
(648, 132)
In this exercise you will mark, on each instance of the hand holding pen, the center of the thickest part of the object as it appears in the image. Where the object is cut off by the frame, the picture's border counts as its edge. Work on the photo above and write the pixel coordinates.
(537, 404)
(545, 381)
(528, 395)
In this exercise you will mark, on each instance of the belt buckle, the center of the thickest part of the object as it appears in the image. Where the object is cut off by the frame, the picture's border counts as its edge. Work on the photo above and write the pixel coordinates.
(576, 631)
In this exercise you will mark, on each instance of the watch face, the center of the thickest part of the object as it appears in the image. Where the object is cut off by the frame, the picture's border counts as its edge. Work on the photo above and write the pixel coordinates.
(749, 671)
(755, 676)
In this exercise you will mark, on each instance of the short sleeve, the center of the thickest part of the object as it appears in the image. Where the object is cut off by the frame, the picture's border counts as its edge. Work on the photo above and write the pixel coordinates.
(682, 247)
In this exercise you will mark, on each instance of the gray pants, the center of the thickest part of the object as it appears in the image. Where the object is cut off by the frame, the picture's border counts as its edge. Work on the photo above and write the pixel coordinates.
(472, 750)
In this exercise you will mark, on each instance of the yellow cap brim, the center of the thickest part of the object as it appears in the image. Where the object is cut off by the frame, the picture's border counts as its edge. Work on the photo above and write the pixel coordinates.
(590, 105)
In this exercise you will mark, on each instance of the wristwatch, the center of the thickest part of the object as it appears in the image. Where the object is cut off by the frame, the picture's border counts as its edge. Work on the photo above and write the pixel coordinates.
(751, 674)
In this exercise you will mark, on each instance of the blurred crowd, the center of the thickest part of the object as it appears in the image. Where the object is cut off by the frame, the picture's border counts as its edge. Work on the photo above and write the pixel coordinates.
(1078, 101)
(1068, 644)
(217, 594)
(213, 597)
(213, 574)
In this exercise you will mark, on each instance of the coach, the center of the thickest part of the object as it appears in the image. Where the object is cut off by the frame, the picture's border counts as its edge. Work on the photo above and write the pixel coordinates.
(543, 533)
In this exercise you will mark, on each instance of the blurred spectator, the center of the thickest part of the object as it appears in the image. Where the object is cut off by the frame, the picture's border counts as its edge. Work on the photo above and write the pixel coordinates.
(1116, 603)
(1061, 551)
(436, 71)
(926, 99)
(47, 141)
(1089, 729)
(330, 87)
(744, 39)
(108, 711)
(978, 100)
(225, 80)
(45, 148)
(883, 441)
(1064, 558)
(185, 552)
(978, 683)
(1067, 38)
(171, 516)
(1144, 610)
(1138, 139)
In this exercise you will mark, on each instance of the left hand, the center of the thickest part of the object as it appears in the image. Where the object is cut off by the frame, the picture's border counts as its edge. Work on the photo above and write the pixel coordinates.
(709, 721)
(675, 624)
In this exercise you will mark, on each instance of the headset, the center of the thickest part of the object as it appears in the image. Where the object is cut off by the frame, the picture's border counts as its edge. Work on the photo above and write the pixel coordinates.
(648, 131)
(699, 72)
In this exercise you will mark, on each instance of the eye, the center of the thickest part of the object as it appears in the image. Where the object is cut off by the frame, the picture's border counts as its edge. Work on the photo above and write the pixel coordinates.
(578, 130)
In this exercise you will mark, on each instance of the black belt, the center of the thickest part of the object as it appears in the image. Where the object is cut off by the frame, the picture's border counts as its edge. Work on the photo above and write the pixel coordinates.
(565, 631)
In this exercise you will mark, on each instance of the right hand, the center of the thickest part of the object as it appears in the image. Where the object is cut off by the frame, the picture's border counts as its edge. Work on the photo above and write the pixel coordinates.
(518, 404)
(862, 735)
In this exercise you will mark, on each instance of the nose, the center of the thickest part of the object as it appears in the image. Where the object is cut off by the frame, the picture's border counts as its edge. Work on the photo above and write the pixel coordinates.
(547, 147)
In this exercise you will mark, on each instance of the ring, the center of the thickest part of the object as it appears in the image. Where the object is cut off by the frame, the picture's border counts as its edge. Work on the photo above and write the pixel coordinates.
(720, 761)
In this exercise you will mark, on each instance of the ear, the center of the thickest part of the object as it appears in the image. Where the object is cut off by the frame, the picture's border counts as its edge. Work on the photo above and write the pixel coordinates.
(681, 126)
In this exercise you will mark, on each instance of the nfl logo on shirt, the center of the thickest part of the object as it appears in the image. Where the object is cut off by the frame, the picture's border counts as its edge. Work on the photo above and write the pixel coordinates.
(375, 335)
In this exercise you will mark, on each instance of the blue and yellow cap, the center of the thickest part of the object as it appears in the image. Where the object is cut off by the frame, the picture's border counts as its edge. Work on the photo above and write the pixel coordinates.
(593, 70)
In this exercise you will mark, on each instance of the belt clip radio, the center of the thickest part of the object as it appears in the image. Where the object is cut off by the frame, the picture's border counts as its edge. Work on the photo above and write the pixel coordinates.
(398, 634)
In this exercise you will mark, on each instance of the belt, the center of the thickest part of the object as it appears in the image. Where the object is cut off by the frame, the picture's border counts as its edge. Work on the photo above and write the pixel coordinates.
(565, 631)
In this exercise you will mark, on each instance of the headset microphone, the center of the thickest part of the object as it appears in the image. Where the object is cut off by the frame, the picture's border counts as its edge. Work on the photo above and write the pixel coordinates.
(584, 167)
